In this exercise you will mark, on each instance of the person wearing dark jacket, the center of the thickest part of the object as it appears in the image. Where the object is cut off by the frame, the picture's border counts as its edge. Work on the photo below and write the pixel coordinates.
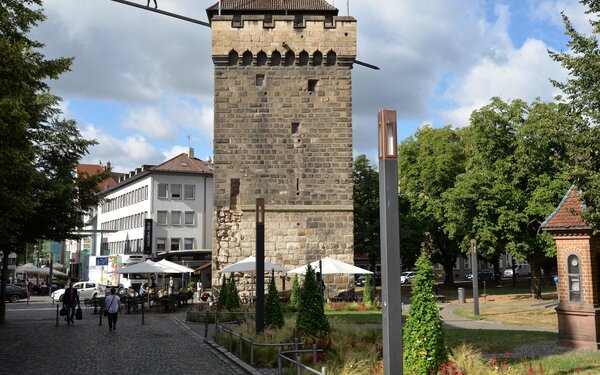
(70, 302)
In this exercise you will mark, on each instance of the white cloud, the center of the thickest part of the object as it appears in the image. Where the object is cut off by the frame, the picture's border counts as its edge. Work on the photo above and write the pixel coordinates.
(551, 10)
(174, 151)
(151, 122)
(524, 74)
(124, 154)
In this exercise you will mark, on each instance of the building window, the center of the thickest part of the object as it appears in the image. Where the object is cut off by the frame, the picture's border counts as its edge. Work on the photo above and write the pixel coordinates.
(188, 244)
(574, 275)
(161, 244)
(176, 191)
(295, 127)
(189, 191)
(189, 218)
(161, 218)
(175, 217)
(467, 263)
(234, 193)
(175, 244)
(162, 190)
(312, 84)
(260, 79)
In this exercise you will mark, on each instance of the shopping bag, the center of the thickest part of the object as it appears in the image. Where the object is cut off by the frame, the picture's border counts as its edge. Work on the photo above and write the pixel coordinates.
(78, 314)
(63, 311)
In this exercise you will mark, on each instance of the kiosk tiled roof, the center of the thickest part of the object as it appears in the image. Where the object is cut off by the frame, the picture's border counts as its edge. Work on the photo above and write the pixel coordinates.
(568, 213)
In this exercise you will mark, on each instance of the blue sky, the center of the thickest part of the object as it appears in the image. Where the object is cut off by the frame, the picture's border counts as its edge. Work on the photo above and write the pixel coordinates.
(141, 83)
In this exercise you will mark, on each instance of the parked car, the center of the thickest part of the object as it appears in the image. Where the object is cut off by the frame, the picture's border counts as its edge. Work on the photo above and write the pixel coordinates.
(85, 289)
(407, 277)
(374, 278)
(486, 274)
(520, 270)
(15, 293)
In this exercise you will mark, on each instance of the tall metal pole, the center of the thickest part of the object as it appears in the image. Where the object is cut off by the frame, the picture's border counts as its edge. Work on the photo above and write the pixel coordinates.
(475, 273)
(260, 265)
(390, 243)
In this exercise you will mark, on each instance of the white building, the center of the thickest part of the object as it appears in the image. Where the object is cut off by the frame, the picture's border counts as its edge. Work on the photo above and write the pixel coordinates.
(162, 211)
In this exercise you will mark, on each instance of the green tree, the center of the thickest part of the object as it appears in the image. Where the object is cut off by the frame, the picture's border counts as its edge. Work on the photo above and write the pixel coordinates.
(424, 349)
(223, 292)
(41, 196)
(233, 297)
(366, 209)
(582, 88)
(273, 310)
(368, 296)
(295, 295)
(512, 182)
(428, 165)
(311, 317)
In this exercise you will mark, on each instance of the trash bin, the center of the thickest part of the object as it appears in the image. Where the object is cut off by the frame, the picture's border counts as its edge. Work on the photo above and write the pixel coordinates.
(461, 295)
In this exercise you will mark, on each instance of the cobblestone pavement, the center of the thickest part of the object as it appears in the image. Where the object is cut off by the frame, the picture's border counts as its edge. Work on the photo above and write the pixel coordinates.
(31, 343)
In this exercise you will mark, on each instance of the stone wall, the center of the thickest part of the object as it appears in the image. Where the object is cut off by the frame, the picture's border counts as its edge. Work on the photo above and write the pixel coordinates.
(283, 132)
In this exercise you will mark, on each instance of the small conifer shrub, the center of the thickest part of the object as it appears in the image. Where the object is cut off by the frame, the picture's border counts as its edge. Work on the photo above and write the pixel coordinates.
(311, 314)
(273, 311)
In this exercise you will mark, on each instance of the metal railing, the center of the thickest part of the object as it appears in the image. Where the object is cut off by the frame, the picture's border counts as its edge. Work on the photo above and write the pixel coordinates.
(281, 354)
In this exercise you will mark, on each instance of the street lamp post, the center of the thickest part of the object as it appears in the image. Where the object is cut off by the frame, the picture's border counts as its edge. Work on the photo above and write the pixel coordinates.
(390, 243)
(260, 265)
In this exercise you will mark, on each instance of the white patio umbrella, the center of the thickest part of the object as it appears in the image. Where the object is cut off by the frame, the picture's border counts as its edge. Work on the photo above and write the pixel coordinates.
(331, 266)
(181, 268)
(147, 267)
(178, 267)
(249, 265)
(30, 268)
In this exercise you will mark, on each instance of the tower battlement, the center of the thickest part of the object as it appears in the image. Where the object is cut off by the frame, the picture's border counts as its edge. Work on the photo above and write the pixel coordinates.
(256, 33)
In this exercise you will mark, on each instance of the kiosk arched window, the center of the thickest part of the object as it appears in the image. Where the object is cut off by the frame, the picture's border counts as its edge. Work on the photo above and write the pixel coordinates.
(574, 275)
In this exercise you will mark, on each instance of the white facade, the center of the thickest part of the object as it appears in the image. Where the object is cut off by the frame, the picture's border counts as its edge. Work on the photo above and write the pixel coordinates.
(178, 203)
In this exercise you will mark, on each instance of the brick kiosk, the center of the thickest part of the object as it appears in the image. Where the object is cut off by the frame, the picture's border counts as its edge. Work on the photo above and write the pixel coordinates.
(578, 256)
(282, 132)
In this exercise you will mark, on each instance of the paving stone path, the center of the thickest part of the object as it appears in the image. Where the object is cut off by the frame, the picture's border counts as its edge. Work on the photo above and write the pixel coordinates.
(31, 343)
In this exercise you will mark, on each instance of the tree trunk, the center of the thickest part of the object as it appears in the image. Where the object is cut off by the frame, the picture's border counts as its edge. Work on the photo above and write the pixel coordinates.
(449, 273)
(536, 276)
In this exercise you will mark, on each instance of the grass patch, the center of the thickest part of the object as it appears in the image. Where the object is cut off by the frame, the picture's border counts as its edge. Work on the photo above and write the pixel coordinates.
(356, 317)
(494, 341)
(516, 315)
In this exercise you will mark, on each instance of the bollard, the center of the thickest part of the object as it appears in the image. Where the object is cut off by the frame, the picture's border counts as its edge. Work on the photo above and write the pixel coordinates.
(241, 344)
(206, 325)
(57, 315)
(252, 352)
(461, 295)
(314, 354)
(298, 357)
(101, 313)
(323, 370)
(142, 312)
(279, 361)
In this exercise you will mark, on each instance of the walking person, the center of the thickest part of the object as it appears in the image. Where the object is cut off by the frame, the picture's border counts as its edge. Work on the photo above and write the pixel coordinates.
(113, 305)
(70, 302)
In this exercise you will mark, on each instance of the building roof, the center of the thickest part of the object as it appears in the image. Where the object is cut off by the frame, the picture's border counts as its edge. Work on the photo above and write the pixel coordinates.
(568, 213)
(272, 7)
(93, 169)
(184, 163)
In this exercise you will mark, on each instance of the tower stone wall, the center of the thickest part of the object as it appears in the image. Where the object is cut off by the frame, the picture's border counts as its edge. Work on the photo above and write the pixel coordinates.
(283, 132)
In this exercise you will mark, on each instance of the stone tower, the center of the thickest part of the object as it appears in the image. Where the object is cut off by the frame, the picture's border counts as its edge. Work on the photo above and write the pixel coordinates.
(283, 131)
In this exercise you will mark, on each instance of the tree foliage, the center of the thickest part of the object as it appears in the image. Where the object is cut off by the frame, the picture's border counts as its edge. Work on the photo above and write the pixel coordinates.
(233, 297)
(428, 165)
(223, 292)
(366, 209)
(311, 317)
(424, 349)
(273, 310)
(582, 88)
(514, 178)
(41, 196)
(368, 295)
(295, 294)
